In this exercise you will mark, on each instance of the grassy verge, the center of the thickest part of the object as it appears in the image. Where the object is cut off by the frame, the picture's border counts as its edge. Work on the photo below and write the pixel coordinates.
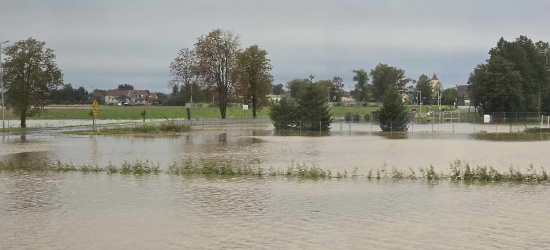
(162, 112)
(529, 134)
(458, 171)
(162, 128)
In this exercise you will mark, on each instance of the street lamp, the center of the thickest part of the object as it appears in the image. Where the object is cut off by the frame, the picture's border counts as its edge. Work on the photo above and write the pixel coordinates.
(2, 82)
(420, 101)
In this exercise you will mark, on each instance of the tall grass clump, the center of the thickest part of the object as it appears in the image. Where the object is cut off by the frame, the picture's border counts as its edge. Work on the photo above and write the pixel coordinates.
(139, 167)
(212, 168)
(458, 171)
(173, 127)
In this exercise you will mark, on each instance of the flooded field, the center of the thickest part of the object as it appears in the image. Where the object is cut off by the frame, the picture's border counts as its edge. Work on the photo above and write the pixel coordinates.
(113, 211)
(339, 150)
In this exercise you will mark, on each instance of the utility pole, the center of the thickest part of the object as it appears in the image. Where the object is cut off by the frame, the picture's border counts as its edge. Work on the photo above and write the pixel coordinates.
(420, 101)
(2, 82)
(539, 99)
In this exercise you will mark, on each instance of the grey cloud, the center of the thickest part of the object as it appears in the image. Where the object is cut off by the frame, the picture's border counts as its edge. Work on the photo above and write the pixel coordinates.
(109, 42)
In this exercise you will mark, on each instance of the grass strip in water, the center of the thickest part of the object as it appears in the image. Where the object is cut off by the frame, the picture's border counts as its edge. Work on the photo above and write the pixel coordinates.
(162, 128)
(458, 171)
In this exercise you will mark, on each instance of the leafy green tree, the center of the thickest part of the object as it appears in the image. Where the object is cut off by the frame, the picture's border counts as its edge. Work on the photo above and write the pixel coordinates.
(449, 96)
(530, 60)
(425, 87)
(278, 89)
(125, 87)
(253, 77)
(393, 115)
(30, 75)
(325, 86)
(295, 86)
(496, 86)
(337, 88)
(385, 77)
(361, 87)
(314, 111)
(216, 55)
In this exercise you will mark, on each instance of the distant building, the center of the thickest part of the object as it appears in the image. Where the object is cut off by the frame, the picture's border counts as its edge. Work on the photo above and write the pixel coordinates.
(434, 82)
(130, 97)
(275, 98)
(97, 95)
(463, 97)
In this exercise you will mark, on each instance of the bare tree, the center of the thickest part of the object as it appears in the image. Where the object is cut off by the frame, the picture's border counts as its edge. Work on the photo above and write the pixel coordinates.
(183, 68)
(216, 55)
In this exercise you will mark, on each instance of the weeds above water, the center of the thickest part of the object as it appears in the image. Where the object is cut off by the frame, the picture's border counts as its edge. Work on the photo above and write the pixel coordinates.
(137, 167)
(212, 168)
(162, 128)
(458, 171)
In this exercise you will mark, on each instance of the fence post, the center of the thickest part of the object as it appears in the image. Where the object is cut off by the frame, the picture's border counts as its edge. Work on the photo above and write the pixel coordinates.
(391, 128)
(517, 124)
(412, 126)
(432, 122)
(320, 126)
(371, 120)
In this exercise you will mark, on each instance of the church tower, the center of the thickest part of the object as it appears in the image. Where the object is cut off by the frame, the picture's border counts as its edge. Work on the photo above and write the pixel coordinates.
(434, 82)
(435, 88)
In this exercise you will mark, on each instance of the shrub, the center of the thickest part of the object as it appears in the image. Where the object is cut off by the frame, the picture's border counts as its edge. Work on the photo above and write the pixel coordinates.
(309, 112)
(393, 115)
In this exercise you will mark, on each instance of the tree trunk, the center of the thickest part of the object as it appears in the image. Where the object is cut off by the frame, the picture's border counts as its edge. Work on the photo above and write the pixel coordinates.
(24, 119)
(254, 106)
(223, 104)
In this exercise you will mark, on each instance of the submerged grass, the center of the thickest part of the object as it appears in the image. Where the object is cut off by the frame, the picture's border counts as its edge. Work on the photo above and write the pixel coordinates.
(458, 171)
(162, 128)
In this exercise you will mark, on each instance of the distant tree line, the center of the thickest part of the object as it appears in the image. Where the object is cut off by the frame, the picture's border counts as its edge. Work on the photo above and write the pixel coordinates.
(69, 95)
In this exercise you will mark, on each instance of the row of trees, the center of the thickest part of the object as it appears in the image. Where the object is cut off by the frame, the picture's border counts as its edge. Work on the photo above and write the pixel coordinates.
(220, 66)
(331, 89)
(385, 77)
(69, 95)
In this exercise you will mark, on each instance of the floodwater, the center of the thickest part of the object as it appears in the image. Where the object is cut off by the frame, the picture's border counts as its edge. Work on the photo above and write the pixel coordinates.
(93, 211)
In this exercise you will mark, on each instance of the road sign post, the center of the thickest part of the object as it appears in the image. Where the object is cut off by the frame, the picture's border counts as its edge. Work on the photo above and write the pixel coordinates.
(94, 112)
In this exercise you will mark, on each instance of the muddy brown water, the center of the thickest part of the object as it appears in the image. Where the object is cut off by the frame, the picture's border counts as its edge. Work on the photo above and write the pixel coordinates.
(92, 211)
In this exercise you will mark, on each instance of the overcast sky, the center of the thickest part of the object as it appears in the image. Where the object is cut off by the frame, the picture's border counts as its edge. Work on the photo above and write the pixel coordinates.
(103, 43)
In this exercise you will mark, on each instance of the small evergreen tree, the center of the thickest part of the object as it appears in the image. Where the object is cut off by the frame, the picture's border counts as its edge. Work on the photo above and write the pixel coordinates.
(284, 115)
(309, 112)
(313, 109)
(393, 115)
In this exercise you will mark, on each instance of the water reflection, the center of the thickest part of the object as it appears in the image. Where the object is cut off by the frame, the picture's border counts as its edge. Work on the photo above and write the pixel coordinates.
(393, 135)
(101, 211)
(336, 151)
(222, 138)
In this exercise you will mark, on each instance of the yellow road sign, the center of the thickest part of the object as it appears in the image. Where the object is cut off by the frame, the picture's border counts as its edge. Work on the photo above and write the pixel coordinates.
(94, 104)
(94, 111)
